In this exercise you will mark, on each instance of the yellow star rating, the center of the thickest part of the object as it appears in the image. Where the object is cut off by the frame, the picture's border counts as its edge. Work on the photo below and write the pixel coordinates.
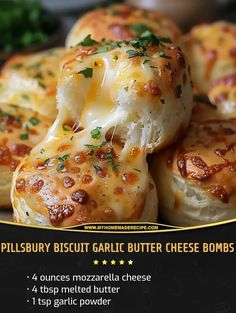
(113, 262)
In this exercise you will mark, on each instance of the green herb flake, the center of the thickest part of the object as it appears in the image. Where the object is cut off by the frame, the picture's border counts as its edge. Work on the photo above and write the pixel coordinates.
(146, 61)
(132, 53)
(26, 97)
(97, 168)
(65, 127)
(139, 28)
(114, 165)
(96, 147)
(62, 160)
(16, 66)
(88, 72)
(126, 88)
(96, 133)
(115, 58)
(108, 155)
(137, 170)
(42, 151)
(46, 162)
(34, 121)
(102, 50)
(163, 55)
(88, 41)
(41, 84)
(24, 136)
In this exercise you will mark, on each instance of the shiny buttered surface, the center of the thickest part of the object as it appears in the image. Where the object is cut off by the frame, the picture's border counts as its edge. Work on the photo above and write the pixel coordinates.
(197, 177)
(211, 52)
(114, 101)
(121, 22)
(30, 81)
(20, 130)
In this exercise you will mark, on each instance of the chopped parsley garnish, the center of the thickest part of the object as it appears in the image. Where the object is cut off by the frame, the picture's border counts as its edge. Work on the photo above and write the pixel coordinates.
(34, 121)
(132, 53)
(146, 61)
(42, 85)
(42, 151)
(96, 147)
(65, 127)
(15, 106)
(126, 88)
(88, 72)
(35, 65)
(97, 168)
(201, 98)
(26, 97)
(137, 170)
(139, 29)
(62, 160)
(96, 133)
(102, 50)
(114, 165)
(163, 55)
(24, 136)
(108, 155)
(47, 161)
(88, 41)
(115, 58)
(16, 66)
(178, 91)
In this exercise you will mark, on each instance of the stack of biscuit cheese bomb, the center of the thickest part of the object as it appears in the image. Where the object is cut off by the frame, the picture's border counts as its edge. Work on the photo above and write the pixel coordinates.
(29, 82)
(117, 101)
(197, 176)
(27, 109)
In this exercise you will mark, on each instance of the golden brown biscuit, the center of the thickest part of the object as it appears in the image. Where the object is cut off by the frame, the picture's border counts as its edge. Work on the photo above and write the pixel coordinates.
(30, 81)
(222, 93)
(116, 101)
(121, 22)
(211, 52)
(20, 130)
(196, 178)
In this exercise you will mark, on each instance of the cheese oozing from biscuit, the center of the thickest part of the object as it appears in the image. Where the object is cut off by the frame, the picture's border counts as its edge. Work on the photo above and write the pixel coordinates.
(117, 102)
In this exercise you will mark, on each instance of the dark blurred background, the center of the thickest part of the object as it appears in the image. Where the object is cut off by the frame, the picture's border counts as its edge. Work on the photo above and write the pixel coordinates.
(33, 25)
